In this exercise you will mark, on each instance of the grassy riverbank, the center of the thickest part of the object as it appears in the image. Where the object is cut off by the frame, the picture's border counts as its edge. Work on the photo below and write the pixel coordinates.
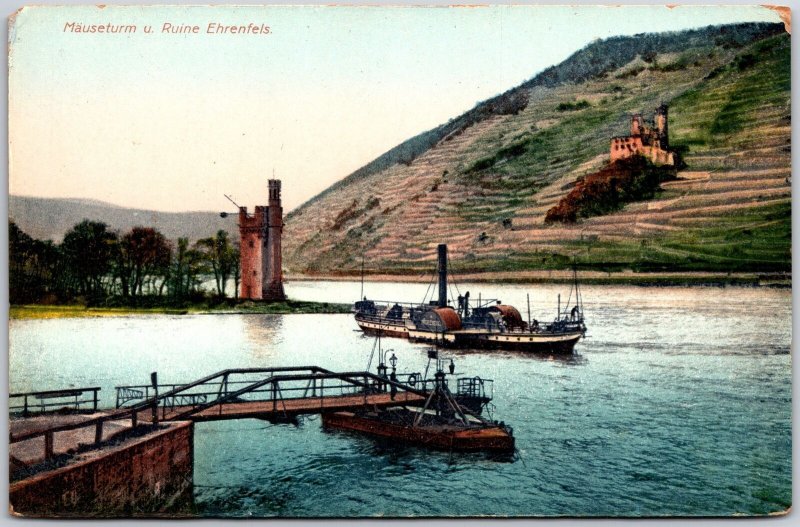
(73, 311)
(584, 277)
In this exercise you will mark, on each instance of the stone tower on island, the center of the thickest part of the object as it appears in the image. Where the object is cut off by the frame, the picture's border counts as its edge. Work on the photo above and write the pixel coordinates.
(260, 249)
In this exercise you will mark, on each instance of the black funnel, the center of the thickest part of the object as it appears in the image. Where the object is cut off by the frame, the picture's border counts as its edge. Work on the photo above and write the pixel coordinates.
(442, 249)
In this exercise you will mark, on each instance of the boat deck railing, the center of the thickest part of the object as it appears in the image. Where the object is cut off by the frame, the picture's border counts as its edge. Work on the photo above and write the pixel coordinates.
(542, 328)
(381, 319)
(475, 387)
(390, 303)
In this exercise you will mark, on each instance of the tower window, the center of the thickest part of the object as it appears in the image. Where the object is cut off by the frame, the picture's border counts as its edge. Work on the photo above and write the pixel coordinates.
(251, 243)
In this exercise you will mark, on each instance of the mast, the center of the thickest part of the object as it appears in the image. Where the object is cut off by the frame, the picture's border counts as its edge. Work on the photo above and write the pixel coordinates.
(577, 292)
(528, 295)
(361, 296)
(442, 250)
(578, 301)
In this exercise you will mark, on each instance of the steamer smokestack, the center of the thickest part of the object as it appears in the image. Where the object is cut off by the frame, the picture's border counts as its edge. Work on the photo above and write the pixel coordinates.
(442, 249)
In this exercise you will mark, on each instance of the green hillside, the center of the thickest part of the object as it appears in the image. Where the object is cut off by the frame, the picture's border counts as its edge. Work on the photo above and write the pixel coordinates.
(484, 182)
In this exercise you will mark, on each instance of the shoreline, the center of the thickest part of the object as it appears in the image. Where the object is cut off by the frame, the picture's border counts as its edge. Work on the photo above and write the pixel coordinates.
(290, 307)
(660, 279)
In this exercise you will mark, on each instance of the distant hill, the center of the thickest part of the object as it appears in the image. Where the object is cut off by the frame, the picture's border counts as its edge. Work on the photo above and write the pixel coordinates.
(50, 218)
(484, 181)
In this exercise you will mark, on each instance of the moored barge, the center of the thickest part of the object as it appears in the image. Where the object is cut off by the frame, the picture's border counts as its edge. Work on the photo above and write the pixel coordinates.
(394, 424)
(445, 422)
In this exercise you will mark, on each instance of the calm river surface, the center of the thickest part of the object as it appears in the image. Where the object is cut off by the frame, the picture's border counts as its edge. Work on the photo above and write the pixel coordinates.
(678, 402)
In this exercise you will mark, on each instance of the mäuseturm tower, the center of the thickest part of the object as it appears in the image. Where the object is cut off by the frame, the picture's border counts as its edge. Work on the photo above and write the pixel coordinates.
(260, 248)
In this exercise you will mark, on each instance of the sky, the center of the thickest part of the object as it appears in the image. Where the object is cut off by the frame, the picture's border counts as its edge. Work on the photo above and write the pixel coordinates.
(173, 122)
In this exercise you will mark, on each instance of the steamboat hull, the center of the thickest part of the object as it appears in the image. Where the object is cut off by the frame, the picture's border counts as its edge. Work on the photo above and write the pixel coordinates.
(484, 439)
(382, 326)
(555, 343)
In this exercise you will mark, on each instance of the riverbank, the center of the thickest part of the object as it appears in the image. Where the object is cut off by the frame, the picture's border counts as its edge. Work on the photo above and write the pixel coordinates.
(566, 276)
(35, 311)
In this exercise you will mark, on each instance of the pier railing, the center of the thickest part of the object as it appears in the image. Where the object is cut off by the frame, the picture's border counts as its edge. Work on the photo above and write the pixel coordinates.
(51, 400)
(274, 388)
(286, 384)
(97, 423)
(271, 389)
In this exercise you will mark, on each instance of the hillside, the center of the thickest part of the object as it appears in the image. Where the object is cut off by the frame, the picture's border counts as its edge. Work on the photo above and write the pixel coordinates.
(484, 181)
(50, 218)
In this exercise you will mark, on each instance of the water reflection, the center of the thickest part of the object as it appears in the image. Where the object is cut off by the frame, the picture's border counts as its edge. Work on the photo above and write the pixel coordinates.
(264, 334)
(576, 359)
(678, 403)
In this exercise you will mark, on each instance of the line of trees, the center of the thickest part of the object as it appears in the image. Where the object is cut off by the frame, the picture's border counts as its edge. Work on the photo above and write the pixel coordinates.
(99, 266)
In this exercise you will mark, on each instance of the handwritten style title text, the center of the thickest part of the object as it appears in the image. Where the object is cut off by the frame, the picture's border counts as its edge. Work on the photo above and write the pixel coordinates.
(212, 28)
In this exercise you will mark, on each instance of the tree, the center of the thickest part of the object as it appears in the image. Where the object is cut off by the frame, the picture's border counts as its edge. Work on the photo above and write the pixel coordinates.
(237, 271)
(143, 253)
(34, 267)
(220, 255)
(187, 265)
(88, 250)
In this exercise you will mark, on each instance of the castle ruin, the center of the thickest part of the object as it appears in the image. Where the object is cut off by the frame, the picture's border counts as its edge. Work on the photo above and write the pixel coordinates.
(651, 142)
(260, 249)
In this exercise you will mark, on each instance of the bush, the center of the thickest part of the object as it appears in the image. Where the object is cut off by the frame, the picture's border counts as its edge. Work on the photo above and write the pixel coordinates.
(572, 106)
(745, 61)
(633, 72)
(609, 189)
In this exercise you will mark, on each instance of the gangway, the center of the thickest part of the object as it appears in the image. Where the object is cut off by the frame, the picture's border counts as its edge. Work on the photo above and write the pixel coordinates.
(268, 393)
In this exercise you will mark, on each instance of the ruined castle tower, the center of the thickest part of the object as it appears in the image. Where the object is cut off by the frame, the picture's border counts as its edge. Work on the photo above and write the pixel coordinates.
(650, 140)
(661, 126)
(260, 248)
(636, 124)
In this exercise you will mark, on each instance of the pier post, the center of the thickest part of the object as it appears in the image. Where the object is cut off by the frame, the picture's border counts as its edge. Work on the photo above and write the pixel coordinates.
(154, 382)
(98, 432)
(48, 445)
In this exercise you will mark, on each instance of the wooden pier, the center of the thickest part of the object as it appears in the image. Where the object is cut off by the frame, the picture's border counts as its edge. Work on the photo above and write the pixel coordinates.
(148, 436)
(294, 407)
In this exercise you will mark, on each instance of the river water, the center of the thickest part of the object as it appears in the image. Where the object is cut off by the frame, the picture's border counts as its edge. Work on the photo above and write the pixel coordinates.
(678, 402)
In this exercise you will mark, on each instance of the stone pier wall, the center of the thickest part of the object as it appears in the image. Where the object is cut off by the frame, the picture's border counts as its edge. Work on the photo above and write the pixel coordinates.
(143, 476)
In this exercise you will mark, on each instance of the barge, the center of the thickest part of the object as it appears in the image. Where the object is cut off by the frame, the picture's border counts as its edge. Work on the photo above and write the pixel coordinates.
(446, 421)
(394, 424)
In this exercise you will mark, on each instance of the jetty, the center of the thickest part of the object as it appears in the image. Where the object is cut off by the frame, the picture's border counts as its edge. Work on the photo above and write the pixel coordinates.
(69, 457)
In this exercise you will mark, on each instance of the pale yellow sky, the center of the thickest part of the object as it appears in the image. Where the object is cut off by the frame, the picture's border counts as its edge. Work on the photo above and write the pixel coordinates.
(173, 122)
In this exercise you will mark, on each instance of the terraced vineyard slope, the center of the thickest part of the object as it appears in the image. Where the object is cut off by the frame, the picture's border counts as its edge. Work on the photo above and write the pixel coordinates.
(484, 182)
